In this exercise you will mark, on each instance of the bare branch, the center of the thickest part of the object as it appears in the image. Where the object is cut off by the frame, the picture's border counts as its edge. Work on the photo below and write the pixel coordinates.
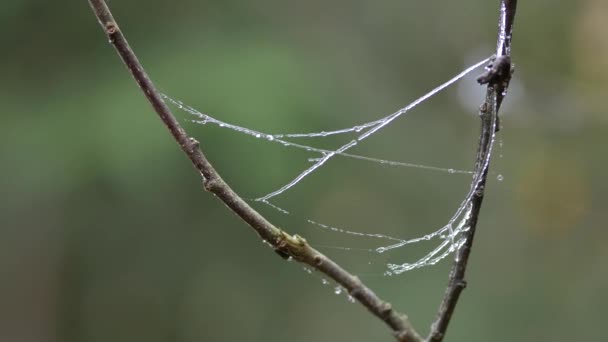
(284, 244)
(497, 77)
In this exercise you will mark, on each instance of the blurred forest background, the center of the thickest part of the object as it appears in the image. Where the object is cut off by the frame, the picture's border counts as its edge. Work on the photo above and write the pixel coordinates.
(107, 234)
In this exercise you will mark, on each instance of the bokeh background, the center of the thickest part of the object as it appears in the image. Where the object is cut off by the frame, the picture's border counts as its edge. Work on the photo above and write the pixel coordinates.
(107, 235)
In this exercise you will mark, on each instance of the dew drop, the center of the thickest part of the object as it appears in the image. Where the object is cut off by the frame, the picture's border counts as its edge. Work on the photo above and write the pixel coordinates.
(351, 299)
(324, 281)
(338, 290)
(380, 249)
(500, 178)
(270, 137)
(453, 247)
(258, 135)
(451, 171)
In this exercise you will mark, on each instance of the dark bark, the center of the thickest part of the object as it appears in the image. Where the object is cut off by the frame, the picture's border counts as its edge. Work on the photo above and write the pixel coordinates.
(497, 77)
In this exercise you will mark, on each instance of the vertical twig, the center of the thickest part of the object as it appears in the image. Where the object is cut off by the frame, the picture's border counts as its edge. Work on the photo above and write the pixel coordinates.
(284, 244)
(497, 77)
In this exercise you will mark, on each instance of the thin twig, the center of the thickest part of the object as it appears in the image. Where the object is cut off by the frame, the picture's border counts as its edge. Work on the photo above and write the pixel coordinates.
(284, 244)
(497, 77)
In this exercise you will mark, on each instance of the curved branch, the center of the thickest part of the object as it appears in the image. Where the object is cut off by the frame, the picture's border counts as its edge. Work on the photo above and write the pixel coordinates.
(284, 244)
(497, 77)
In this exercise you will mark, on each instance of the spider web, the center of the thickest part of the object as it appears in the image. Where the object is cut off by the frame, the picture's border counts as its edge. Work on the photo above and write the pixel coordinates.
(449, 237)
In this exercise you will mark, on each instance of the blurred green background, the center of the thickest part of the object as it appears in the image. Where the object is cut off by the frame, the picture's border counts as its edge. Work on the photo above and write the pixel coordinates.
(107, 234)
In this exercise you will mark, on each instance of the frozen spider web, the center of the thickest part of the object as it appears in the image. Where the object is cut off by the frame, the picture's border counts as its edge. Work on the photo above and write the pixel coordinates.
(449, 237)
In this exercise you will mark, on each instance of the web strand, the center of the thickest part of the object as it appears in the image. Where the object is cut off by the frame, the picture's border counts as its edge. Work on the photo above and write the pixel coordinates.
(463, 212)
(449, 235)
(276, 138)
(373, 128)
(387, 119)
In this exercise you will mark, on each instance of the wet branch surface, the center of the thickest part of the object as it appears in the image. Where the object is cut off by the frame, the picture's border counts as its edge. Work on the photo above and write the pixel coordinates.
(284, 244)
(497, 77)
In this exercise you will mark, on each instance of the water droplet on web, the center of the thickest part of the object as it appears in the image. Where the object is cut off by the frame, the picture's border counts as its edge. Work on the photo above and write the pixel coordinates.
(324, 281)
(453, 247)
(258, 135)
(500, 178)
(307, 270)
(338, 290)
(270, 137)
(350, 298)
(380, 249)
(451, 171)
